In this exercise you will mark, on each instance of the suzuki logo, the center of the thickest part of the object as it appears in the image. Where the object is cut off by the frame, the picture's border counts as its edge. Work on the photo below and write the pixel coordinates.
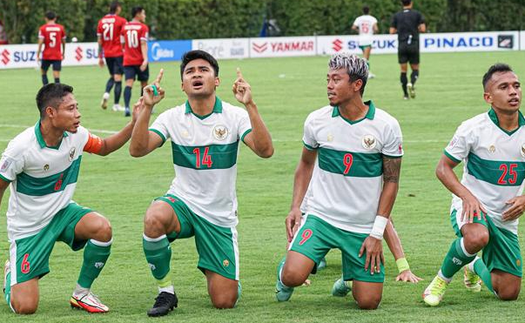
(78, 53)
(5, 56)
(260, 48)
(338, 45)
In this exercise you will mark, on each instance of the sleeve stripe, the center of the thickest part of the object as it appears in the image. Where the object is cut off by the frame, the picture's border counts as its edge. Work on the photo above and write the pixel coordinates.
(245, 133)
(160, 134)
(454, 159)
(5, 179)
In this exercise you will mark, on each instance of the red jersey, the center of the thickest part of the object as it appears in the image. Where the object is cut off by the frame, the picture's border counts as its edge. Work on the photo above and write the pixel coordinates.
(53, 36)
(109, 30)
(134, 33)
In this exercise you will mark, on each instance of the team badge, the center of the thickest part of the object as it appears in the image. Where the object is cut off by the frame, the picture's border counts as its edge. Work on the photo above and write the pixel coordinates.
(369, 142)
(5, 165)
(185, 134)
(330, 137)
(220, 132)
(522, 150)
(492, 148)
(46, 167)
(72, 153)
(225, 263)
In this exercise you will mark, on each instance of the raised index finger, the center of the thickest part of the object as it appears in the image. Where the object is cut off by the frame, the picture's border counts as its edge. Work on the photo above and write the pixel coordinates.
(159, 77)
(239, 74)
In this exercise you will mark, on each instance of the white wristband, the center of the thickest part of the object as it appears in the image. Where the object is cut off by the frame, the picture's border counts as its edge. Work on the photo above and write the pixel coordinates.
(379, 227)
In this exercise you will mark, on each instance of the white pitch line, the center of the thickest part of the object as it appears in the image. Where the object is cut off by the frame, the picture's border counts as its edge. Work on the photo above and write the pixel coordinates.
(275, 140)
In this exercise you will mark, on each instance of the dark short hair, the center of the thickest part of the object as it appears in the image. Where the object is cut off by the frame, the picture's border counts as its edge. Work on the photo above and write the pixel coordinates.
(406, 2)
(496, 68)
(136, 10)
(366, 9)
(113, 7)
(51, 95)
(198, 54)
(51, 15)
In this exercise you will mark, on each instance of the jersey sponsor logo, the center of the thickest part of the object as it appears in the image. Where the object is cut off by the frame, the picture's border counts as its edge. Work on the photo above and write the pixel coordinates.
(72, 153)
(492, 149)
(330, 137)
(369, 142)
(220, 132)
(6, 164)
(522, 150)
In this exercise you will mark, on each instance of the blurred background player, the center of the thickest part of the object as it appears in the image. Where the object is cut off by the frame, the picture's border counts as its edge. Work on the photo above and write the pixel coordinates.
(408, 23)
(135, 35)
(367, 26)
(52, 36)
(109, 31)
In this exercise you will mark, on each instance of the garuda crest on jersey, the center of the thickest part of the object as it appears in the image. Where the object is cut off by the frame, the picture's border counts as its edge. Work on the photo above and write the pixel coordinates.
(369, 142)
(220, 132)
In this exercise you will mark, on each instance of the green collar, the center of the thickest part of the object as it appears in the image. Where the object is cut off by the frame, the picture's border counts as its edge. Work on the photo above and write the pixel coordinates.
(41, 140)
(217, 108)
(369, 115)
(494, 117)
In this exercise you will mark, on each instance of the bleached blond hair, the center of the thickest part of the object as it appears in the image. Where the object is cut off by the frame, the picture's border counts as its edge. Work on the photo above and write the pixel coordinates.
(356, 67)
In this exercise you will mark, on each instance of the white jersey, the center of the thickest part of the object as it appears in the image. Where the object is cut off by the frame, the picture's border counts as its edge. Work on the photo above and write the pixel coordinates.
(43, 179)
(365, 24)
(347, 180)
(494, 164)
(205, 153)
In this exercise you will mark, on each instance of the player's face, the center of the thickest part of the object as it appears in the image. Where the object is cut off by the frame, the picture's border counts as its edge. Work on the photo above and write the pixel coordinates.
(66, 117)
(339, 88)
(504, 92)
(141, 16)
(198, 79)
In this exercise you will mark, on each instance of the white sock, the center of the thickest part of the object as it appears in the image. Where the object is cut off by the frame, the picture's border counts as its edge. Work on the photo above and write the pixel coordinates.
(80, 291)
(168, 289)
(440, 274)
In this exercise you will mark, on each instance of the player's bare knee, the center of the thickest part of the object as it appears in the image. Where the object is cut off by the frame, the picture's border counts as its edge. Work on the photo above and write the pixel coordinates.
(291, 278)
(224, 301)
(369, 302)
(25, 307)
(476, 240)
(509, 293)
(153, 225)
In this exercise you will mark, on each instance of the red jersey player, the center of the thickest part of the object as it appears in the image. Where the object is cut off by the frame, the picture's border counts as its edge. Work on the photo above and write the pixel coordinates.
(109, 47)
(135, 35)
(52, 36)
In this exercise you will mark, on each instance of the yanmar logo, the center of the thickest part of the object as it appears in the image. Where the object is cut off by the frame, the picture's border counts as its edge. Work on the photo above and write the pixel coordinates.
(78, 54)
(296, 46)
(260, 48)
(5, 56)
(337, 45)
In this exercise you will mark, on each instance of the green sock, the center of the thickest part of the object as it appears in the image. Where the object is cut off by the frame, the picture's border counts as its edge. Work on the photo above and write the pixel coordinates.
(158, 255)
(96, 254)
(280, 268)
(483, 272)
(455, 259)
(7, 291)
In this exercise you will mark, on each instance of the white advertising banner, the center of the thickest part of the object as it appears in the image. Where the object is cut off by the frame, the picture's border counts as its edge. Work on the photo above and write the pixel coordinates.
(224, 48)
(19, 56)
(282, 46)
(469, 42)
(522, 41)
(381, 44)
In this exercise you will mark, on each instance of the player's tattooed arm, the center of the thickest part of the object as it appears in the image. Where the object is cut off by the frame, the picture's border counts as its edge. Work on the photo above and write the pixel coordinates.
(391, 169)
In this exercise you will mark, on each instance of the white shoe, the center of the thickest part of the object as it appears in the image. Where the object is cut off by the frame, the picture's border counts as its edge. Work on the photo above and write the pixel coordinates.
(88, 302)
(118, 108)
(411, 90)
(104, 103)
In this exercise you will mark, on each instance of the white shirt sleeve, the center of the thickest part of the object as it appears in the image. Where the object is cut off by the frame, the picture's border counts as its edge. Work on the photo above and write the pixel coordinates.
(244, 125)
(12, 161)
(309, 140)
(459, 147)
(393, 143)
(160, 126)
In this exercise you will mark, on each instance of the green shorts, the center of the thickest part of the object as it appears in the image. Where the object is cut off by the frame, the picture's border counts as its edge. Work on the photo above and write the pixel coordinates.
(316, 237)
(31, 254)
(364, 46)
(503, 250)
(217, 246)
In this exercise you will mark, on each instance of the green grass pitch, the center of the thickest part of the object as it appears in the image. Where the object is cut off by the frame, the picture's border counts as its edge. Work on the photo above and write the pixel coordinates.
(286, 90)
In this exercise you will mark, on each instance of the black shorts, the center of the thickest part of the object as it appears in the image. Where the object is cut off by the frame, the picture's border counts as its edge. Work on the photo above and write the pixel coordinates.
(114, 65)
(57, 65)
(134, 70)
(408, 53)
